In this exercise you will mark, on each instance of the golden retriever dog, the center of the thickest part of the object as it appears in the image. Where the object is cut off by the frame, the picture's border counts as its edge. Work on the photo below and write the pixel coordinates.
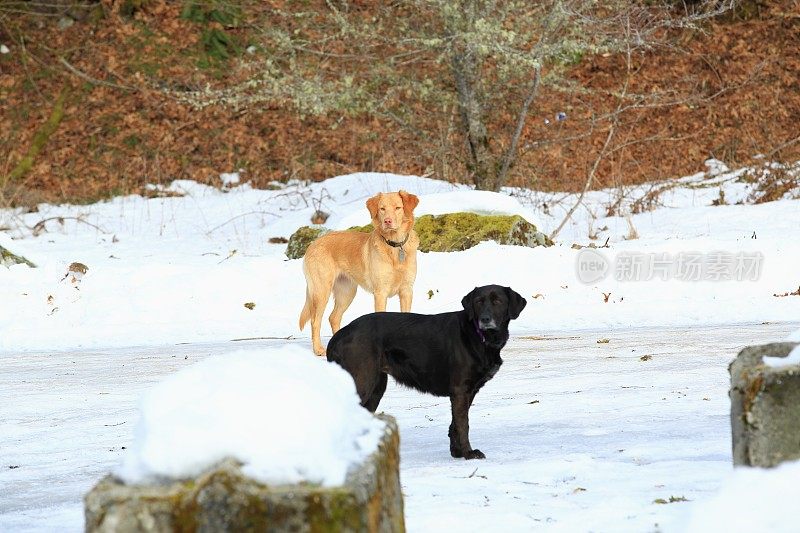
(383, 262)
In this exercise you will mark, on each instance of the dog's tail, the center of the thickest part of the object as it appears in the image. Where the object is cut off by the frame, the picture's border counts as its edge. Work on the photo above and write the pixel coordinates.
(305, 314)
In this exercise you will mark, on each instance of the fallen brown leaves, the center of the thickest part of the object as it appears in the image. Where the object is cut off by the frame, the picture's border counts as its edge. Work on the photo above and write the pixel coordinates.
(735, 96)
(795, 293)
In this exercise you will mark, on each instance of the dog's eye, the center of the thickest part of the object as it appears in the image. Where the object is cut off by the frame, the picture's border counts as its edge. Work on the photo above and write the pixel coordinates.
(383, 209)
(396, 208)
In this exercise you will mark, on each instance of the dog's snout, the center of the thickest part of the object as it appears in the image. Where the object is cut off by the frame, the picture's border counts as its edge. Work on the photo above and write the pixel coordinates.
(486, 321)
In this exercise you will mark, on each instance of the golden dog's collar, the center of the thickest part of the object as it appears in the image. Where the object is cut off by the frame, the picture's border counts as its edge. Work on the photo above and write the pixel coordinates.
(395, 244)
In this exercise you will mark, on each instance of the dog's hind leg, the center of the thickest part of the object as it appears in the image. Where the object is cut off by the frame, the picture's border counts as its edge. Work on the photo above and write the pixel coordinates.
(344, 290)
(319, 294)
(377, 393)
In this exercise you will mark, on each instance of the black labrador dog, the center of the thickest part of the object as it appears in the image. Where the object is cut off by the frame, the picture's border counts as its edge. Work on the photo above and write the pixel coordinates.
(449, 354)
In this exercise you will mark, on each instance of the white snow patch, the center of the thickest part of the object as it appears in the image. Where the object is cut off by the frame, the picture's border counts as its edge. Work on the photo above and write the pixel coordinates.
(230, 179)
(287, 416)
(469, 201)
(751, 499)
(715, 167)
(792, 359)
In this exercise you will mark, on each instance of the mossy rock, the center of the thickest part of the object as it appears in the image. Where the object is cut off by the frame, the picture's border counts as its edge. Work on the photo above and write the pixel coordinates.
(459, 231)
(223, 499)
(8, 258)
(300, 239)
(451, 232)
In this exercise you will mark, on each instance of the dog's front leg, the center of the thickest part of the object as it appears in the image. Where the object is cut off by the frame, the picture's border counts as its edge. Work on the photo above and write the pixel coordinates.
(380, 301)
(406, 294)
(455, 447)
(459, 427)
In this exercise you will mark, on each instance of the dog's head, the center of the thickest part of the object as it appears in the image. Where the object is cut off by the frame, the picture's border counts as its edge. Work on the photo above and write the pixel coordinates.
(490, 308)
(392, 211)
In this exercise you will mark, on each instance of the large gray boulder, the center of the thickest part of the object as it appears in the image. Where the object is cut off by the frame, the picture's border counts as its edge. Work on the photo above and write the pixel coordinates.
(222, 499)
(765, 407)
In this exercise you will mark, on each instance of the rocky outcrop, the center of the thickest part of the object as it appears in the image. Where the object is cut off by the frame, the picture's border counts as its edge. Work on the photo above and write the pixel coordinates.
(765, 407)
(222, 499)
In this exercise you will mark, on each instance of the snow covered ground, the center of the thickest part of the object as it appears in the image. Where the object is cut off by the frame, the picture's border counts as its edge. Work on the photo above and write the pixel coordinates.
(579, 435)
(175, 269)
(77, 349)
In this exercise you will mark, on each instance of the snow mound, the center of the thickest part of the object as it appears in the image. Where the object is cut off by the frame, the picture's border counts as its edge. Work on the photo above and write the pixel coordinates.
(480, 202)
(469, 201)
(287, 416)
(752, 499)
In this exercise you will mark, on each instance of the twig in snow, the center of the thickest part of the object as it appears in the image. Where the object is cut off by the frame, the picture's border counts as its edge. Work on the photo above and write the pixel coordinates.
(41, 226)
(231, 254)
(215, 228)
(473, 474)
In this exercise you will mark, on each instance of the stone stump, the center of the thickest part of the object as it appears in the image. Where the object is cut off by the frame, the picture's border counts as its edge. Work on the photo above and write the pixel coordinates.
(765, 407)
(222, 499)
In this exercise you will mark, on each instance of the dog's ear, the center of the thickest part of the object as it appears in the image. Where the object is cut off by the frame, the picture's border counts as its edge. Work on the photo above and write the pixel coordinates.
(516, 303)
(466, 303)
(372, 206)
(410, 201)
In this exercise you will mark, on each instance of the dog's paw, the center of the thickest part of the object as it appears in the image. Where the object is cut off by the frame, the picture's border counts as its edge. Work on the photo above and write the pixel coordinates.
(455, 452)
(319, 352)
(474, 454)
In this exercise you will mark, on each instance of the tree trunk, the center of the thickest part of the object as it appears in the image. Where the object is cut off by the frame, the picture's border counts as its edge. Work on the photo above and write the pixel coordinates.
(39, 140)
(482, 162)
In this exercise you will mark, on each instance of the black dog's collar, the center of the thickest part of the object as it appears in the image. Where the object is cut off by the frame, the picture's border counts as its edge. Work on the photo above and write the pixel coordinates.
(482, 336)
(479, 332)
(396, 244)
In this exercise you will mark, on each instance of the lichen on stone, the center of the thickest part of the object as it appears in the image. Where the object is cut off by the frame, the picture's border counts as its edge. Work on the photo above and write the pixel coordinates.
(460, 231)
(223, 498)
(300, 239)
